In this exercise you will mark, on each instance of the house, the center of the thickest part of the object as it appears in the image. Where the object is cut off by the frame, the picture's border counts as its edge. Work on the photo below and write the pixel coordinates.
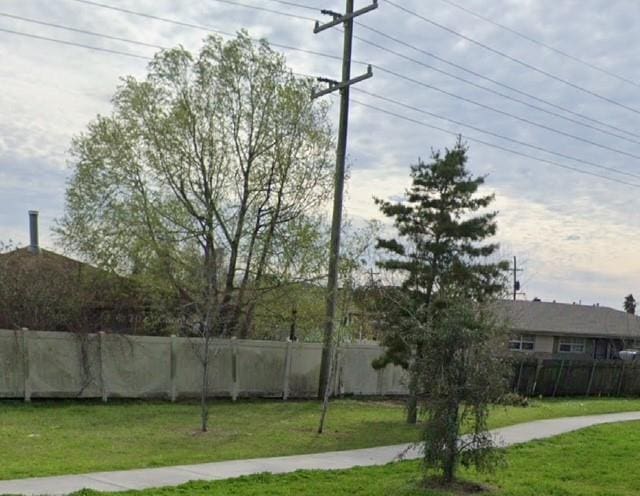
(43, 290)
(569, 331)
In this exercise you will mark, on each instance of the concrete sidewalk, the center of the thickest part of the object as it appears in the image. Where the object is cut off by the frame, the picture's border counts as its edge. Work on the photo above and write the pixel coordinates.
(173, 476)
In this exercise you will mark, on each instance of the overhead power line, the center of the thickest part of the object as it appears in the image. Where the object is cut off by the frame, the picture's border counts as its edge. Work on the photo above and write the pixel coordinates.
(505, 113)
(542, 43)
(511, 58)
(493, 145)
(497, 135)
(203, 28)
(264, 9)
(295, 4)
(498, 93)
(392, 73)
(575, 169)
(494, 81)
(448, 74)
(466, 81)
(81, 31)
(71, 43)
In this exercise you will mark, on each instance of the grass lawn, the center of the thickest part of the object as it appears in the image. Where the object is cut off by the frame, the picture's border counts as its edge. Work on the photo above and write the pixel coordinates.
(599, 461)
(65, 437)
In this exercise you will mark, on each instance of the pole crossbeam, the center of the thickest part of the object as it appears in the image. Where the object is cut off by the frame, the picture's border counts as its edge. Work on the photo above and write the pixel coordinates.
(339, 19)
(335, 85)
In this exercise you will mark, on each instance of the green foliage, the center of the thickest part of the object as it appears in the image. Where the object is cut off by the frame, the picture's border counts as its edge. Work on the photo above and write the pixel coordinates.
(200, 179)
(440, 244)
(630, 304)
(460, 373)
(439, 325)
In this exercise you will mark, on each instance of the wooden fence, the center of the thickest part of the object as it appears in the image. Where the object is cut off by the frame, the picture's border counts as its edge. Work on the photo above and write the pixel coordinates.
(576, 378)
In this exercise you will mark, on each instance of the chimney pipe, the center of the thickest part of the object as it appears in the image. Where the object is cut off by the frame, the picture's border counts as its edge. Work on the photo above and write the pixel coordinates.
(33, 231)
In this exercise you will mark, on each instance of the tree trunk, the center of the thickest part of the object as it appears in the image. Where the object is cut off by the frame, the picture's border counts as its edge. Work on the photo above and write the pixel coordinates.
(204, 406)
(412, 400)
(412, 404)
(451, 460)
(327, 390)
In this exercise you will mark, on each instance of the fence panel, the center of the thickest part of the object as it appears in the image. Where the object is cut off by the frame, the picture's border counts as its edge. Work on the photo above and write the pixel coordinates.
(11, 365)
(63, 365)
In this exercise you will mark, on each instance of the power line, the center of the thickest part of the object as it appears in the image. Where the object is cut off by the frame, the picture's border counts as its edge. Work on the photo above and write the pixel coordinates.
(294, 4)
(575, 169)
(493, 145)
(231, 2)
(498, 93)
(466, 81)
(497, 135)
(204, 28)
(529, 145)
(81, 31)
(503, 112)
(264, 9)
(494, 81)
(71, 43)
(513, 59)
(542, 44)
(393, 73)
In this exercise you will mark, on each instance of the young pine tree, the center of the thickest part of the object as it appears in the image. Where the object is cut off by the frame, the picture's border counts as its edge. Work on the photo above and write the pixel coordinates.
(443, 226)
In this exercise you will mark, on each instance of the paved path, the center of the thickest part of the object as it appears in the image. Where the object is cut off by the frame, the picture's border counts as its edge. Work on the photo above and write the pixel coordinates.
(173, 476)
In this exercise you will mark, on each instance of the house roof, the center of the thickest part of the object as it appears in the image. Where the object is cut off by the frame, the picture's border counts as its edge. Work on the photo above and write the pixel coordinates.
(569, 319)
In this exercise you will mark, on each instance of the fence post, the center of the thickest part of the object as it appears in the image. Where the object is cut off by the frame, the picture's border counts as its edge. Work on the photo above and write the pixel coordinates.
(26, 372)
(591, 376)
(103, 375)
(337, 375)
(621, 378)
(234, 369)
(173, 367)
(287, 371)
(535, 379)
(517, 388)
(555, 386)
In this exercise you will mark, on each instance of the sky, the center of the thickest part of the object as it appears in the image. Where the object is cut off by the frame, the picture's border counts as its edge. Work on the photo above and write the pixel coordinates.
(574, 234)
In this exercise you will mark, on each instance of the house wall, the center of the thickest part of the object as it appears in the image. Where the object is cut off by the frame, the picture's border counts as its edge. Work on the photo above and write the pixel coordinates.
(587, 355)
(544, 344)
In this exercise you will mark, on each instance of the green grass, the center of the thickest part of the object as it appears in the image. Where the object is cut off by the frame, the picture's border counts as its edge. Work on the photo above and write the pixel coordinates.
(599, 461)
(65, 437)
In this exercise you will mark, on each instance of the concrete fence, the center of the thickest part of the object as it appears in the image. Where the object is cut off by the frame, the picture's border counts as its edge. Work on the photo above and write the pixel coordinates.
(37, 364)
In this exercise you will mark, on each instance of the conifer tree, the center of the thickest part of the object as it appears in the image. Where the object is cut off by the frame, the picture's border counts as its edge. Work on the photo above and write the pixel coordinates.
(442, 226)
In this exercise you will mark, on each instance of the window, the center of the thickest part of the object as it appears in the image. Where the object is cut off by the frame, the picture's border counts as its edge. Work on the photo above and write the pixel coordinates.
(522, 343)
(571, 345)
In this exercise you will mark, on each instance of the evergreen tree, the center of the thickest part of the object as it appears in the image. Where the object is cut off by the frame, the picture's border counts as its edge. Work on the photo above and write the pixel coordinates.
(630, 304)
(439, 320)
(441, 235)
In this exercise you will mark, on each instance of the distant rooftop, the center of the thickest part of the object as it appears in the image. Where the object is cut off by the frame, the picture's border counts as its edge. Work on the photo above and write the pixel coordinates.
(572, 319)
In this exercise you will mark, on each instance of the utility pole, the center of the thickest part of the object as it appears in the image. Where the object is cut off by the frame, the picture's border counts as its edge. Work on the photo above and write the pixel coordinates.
(336, 220)
(516, 283)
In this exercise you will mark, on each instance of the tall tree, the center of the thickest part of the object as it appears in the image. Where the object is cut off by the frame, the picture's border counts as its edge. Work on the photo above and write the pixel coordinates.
(194, 178)
(630, 304)
(441, 235)
(440, 323)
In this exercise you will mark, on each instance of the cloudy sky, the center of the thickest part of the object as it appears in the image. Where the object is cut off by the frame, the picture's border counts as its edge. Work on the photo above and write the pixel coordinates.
(575, 234)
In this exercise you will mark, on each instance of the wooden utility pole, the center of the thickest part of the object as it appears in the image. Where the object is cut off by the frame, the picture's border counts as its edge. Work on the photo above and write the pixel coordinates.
(336, 221)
